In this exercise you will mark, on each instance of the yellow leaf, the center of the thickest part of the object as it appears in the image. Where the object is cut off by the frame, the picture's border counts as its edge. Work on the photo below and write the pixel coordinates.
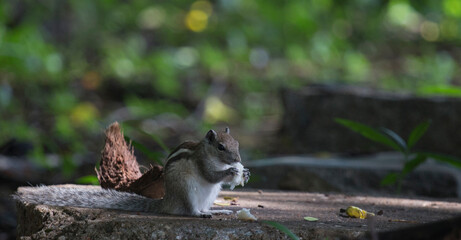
(356, 212)
(221, 203)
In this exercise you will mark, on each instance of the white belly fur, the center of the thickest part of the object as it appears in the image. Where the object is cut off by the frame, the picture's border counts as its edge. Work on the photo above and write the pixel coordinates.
(203, 193)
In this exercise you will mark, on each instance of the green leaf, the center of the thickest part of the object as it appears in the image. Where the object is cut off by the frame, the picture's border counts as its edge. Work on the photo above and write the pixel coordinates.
(89, 179)
(282, 228)
(369, 132)
(409, 166)
(150, 154)
(454, 161)
(434, 90)
(396, 138)
(389, 179)
(311, 219)
(417, 133)
(412, 164)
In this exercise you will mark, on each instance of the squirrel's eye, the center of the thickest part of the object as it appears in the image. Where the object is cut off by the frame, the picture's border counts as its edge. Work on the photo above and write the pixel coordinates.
(221, 147)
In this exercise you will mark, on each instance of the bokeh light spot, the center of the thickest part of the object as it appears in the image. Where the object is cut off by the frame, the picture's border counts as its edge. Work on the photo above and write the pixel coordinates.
(402, 14)
(123, 67)
(83, 113)
(357, 66)
(259, 57)
(91, 80)
(186, 57)
(53, 63)
(216, 110)
(151, 18)
(430, 31)
(196, 20)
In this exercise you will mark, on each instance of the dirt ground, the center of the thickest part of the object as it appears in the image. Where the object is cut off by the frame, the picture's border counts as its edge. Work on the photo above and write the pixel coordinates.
(289, 208)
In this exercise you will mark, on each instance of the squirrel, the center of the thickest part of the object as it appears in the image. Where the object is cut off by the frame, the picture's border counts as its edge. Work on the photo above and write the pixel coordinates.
(194, 173)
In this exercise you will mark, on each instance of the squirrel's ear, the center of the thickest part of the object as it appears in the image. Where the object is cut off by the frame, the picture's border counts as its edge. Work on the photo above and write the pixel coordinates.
(227, 130)
(211, 135)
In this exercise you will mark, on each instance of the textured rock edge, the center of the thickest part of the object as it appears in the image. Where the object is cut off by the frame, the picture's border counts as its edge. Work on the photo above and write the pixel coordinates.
(49, 222)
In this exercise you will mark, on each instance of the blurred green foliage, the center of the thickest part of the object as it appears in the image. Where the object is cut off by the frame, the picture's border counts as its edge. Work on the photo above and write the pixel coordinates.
(89, 179)
(65, 66)
(411, 158)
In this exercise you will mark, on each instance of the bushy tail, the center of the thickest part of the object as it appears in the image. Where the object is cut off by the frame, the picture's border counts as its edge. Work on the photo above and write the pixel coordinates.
(118, 166)
(87, 198)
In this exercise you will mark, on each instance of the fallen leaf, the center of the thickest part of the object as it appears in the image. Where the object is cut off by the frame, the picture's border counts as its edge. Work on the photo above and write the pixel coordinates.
(356, 212)
(221, 203)
(311, 219)
(231, 198)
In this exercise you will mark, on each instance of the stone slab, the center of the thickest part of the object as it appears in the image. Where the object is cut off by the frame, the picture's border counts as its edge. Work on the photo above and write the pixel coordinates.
(308, 124)
(354, 175)
(287, 208)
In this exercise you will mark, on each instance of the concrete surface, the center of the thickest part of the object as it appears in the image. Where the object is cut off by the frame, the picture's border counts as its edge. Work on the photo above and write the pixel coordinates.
(287, 208)
(354, 175)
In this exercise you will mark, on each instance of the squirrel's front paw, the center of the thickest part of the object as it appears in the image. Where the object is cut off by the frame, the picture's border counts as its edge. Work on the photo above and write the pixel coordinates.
(246, 174)
(232, 171)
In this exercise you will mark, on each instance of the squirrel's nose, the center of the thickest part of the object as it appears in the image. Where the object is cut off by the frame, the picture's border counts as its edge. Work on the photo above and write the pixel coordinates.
(237, 159)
